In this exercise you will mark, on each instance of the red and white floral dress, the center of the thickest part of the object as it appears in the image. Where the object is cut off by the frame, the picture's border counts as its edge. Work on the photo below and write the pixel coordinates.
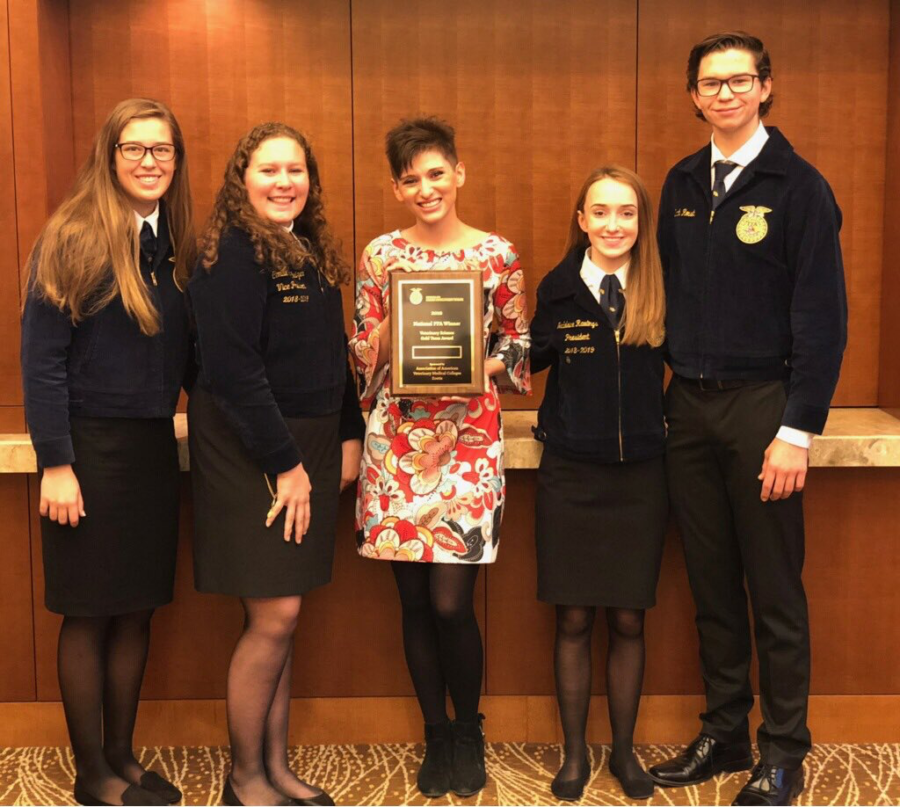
(431, 485)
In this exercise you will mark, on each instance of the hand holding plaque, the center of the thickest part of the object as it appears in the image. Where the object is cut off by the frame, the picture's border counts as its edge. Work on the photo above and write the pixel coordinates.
(437, 344)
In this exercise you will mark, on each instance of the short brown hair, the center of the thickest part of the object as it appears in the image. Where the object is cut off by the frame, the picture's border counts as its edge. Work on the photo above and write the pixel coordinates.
(409, 138)
(731, 40)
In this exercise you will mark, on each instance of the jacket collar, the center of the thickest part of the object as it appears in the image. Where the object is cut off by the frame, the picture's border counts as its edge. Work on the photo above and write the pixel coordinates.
(569, 284)
(773, 159)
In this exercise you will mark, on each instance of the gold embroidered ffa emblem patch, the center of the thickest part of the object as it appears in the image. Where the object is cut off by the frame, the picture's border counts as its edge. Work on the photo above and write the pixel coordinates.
(752, 227)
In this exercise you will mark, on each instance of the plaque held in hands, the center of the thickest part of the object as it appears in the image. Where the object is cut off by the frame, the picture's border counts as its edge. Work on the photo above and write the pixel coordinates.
(437, 343)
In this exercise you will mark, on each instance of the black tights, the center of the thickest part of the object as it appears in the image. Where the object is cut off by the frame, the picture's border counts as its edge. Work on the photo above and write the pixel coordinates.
(624, 676)
(101, 663)
(441, 638)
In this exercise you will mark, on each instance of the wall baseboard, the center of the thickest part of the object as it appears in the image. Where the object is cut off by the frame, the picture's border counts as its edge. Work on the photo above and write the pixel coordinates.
(510, 718)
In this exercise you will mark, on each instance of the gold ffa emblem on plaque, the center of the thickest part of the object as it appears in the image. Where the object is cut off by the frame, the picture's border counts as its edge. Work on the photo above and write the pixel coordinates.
(752, 227)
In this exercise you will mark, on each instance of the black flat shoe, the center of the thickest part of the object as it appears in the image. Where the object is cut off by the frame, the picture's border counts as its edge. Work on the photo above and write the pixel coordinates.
(467, 774)
(635, 787)
(230, 798)
(571, 789)
(770, 785)
(703, 759)
(322, 799)
(130, 795)
(163, 788)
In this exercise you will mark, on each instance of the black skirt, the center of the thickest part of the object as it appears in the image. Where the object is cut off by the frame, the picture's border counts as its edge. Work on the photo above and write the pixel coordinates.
(234, 552)
(121, 556)
(600, 531)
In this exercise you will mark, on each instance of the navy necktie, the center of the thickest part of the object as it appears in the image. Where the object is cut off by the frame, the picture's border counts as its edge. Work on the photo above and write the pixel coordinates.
(612, 301)
(722, 169)
(148, 242)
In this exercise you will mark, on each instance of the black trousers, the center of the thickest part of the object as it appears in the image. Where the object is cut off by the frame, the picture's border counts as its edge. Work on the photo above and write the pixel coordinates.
(714, 454)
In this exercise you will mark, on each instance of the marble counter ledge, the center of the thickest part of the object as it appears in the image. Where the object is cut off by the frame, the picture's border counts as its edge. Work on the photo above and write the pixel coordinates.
(863, 437)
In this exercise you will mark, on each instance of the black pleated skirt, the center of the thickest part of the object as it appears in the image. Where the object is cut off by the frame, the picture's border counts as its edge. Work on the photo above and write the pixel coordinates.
(599, 531)
(234, 552)
(121, 556)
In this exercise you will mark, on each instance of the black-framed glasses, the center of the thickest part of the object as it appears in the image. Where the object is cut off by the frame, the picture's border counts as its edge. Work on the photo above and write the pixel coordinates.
(164, 152)
(739, 84)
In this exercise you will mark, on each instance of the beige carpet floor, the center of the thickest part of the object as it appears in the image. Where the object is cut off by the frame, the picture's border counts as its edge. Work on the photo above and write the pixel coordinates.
(518, 774)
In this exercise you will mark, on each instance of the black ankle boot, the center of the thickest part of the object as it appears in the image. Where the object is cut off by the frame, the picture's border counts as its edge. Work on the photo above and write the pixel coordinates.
(434, 775)
(468, 775)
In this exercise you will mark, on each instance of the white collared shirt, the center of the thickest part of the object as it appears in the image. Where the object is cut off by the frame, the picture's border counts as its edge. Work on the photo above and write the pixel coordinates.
(153, 218)
(592, 275)
(745, 155)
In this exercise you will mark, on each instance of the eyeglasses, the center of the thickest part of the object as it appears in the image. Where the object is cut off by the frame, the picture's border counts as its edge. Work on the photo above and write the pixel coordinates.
(164, 152)
(707, 87)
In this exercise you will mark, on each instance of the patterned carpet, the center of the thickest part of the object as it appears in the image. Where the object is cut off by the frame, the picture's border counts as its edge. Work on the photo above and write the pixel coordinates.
(517, 774)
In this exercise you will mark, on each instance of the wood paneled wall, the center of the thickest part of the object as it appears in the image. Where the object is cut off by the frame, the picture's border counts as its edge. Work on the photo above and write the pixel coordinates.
(539, 94)
(889, 376)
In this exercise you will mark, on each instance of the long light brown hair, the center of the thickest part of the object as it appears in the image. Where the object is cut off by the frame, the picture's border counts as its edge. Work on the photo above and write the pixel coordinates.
(645, 312)
(274, 247)
(91, 238)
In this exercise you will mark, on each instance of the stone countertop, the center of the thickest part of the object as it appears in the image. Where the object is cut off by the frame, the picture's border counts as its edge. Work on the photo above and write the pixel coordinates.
(863, 437)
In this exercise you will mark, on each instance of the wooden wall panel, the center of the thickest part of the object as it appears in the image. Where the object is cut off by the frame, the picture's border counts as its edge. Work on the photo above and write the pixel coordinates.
(10, 380)
(539, 95)
(889, 377)
(17, 675)
(833, 114)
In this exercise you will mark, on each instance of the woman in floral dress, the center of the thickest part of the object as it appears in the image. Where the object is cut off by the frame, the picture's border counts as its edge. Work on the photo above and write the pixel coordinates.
(432, 486)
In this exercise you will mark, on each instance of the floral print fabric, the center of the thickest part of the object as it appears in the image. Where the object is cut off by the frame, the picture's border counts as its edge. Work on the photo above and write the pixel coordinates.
(431, 486)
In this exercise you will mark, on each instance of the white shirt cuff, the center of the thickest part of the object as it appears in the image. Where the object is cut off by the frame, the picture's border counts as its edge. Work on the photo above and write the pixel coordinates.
(795, 437)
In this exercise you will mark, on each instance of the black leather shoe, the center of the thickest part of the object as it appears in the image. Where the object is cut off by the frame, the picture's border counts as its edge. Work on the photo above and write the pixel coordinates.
(571, 789)
(230, 798)
(467, 774)
(163, 788)
(703, 759)
(322, 799)
(433, 779)
(770, 785)
(131, 795)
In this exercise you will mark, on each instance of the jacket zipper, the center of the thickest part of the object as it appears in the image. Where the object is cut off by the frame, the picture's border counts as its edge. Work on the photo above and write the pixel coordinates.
(712, 215)
(619, 375)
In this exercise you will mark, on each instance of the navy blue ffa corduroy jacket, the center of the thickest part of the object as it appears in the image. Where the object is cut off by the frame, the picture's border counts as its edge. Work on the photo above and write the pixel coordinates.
(271, 347)
(604, 400)
(104, 366)
(756, 291)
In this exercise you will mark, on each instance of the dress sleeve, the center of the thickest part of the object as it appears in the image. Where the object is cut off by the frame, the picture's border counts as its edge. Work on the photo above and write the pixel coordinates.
(229, 305)
(513, 339)
(46, 336)
(371, 309)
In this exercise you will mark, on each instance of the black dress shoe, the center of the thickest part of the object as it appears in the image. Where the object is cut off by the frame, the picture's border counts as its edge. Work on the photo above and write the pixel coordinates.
(131, 795)
(770, 785)
(163, 788)
(468, 774)
(321, 798)
(703, 759)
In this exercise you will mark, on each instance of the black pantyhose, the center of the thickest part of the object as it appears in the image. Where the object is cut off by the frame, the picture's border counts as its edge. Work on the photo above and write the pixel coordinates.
(441, 638)
(257, 666)
(101, 663)
(624, 677)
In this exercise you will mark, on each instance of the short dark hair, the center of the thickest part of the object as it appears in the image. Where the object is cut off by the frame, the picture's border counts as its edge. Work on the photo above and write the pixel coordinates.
(731, 40)
(409, 138)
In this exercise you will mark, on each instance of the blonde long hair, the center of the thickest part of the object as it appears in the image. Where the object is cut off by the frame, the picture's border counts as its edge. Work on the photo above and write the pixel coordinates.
(645, 313)
(91, 236)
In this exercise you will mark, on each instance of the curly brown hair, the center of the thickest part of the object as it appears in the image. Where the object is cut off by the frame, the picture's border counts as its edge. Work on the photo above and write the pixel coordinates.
(275, 248)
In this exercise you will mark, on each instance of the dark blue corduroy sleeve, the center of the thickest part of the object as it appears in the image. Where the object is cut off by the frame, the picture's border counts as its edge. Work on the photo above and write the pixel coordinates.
(818, 304)
(46, 336)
